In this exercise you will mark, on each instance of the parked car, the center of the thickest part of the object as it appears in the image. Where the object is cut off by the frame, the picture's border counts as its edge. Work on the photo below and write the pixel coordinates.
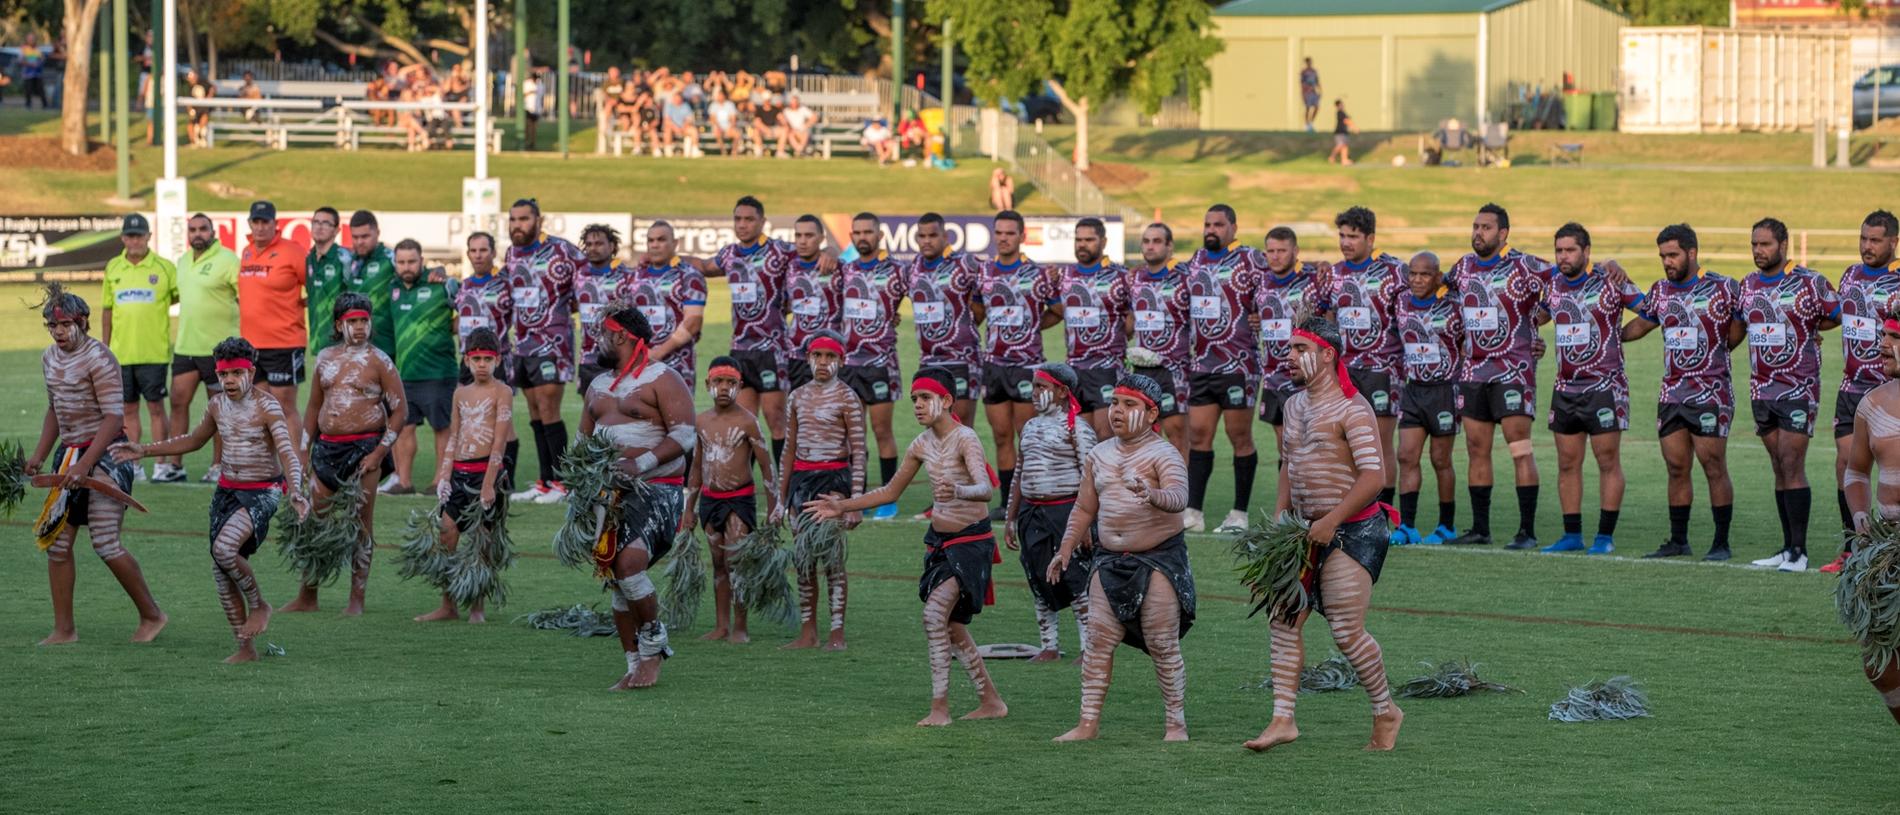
(1881, 84)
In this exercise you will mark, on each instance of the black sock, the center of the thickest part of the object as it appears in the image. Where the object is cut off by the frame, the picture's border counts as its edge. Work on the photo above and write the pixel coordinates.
(1847, 518)
(1003, 479)
(1244, 467)
(887, 467)
(1679, 523)
(557, 446)
(1606, 521)
(1800, 500)
(1385, 496)
(540, 450)
(1408, 509)
(1200, 469)
(1723, 514)
(1527, 510)
(1481, 509)
(1781, 511)
(778, 452)
(1573, 523)
(1448, 514)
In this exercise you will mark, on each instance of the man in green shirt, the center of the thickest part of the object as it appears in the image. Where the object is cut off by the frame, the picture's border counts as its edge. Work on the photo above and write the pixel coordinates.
(207, 315)
(373, 274)
(424, 309)
(328, 269)
(135, 322)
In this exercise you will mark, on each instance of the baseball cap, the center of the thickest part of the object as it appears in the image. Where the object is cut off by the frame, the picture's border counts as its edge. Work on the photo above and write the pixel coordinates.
(135, 224)
(263, 211)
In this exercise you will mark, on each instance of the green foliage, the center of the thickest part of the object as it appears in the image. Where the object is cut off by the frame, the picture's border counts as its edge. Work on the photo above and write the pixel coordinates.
(483, 553)
(1618, 697)
(577, 620)
(758, 562)
(1867, 596)
(420, 554)
(817, 544)
(1271, 558)
(318, 546)
(1335, 674)
(686, 578)
(1147, 50)
(13, 480)
(1453, 677)
(1675, 12)
(1004, 43)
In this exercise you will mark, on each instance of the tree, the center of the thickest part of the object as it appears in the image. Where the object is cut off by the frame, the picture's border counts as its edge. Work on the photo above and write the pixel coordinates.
(1676, 12)
(1089, 51)
(81, 16)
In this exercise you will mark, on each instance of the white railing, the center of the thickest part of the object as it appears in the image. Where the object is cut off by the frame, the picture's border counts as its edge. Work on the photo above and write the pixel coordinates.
(266, 70)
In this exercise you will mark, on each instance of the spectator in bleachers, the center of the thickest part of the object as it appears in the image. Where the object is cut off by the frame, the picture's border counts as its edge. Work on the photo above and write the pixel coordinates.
(378, 90)
(610, 90)
(768, 124)
(882, 143)
(250, 90)
(679, 121)
(692, 91)
(722, 117)
(798, 124)
(913, 136)
(457, 88)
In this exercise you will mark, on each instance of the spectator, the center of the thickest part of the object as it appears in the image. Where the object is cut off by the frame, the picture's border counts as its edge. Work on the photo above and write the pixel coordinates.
(882, 143)
(198, 121)
(250, 90)
(1342, 134)
(798, 122)
(742, 88)
(610, 90)
(913, 135)
(1451, 137)
(679, 122)
(531, 108)
(416, 136)
(692, 91)
(1002, 190)
(135, 322)
(768, 124)
(457, 89)
(378, 90)
(1309, 92)
(723, 116)
(33, 71)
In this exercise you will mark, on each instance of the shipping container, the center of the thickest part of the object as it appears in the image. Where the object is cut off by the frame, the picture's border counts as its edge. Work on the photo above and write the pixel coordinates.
(1692, 79)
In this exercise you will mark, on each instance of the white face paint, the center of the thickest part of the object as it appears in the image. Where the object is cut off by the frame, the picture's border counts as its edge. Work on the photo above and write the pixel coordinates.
(1137, 421)
(1044, 400)
(1309, 365)
(725, 391)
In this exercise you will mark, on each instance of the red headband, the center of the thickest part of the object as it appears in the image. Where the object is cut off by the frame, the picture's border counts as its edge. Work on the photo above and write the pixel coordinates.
(354, 313)
(928, 385)
(481, 352)
(827, 344)
(636, 361)
(726, 371)
(1124, 390)
(1891, 325)
(239, 364)
(1339, 361)
(1075, 408)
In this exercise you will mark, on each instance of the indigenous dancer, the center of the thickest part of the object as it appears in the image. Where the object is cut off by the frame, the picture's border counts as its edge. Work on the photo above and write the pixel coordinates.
(540, 271)
(1433, 332)
(1016, 298)
(1875, 441)
(479, 459)
(1160, 329)
(1223, 281)
(959, 546)
(1094, 302)
(84, 415)
(824, 455)
(815, 294)
(1141, 591)
(1332, 480)
(1867, 294)
(720, 490)
(254, 459)
(943, 292)
(356, 404)
(646, 411)
(874, 286)
(1366, 287)
(1054, 445)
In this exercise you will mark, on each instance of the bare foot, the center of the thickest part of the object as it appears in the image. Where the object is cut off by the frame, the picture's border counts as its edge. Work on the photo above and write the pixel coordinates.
(992, 708)
(1278, 732)
(1046, 656)
(148, 629)
(739, 636)
(646, 674)
(354, 609)
(939, 716)
(477, 617)
(306, 601)
(256, 621)
(803, 641)
(1084, 731)
(624, 683)
(713, 635)
(1385, 730)
(438, 615)
(1175, 732)
(61, 637)
(836, 641)
(245, 653)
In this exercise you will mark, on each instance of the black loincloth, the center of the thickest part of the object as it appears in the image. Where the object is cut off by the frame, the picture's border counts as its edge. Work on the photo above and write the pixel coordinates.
(337, 462)
(969, 562)
(1124, 583)
(465, 490)
(810, 485)
(713, 512)
(1364, 541)
(1039, 529)
(649, 517)
(260, 502)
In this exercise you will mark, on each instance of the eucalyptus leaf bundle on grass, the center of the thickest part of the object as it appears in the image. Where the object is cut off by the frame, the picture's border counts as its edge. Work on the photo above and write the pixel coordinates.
(483, 553)
(1453, 677)
(1336, 673)
(318, 546)
(1867, 596)
(1272, 557)
(578, 620)
(686, 579)
(1616, 698)
(758, 562)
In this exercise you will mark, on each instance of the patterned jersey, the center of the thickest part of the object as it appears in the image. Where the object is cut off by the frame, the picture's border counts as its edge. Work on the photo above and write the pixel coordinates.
(1161, 306)
(1279, 303)
(1587, 321)
(941, 294)
(1499, 300)
(1365, 297)
(1694, 317)
(594, 290)
(541, 281)
(1094, 310)
(1221, 289)
(485, 302)
(1867, 299)
(374, 276)
(873, 289)
(1783, 312)
(817, 301)
(1014, 299)
(755, 274)
(1433, 335)
(325, 276)
(662, 294)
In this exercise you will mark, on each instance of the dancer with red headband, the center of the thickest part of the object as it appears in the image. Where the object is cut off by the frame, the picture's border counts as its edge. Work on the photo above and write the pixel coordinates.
(356, 404)
(720, 492)
(646, 410)
(477, 463)
(84, 415)
(959, 547)
(1332, 479)
(1875, 441)
(1133, 489)
(1054, 445)
(257, 467)
(824, 455)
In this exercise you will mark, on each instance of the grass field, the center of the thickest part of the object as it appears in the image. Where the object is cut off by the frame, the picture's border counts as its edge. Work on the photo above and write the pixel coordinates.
(1759, 703)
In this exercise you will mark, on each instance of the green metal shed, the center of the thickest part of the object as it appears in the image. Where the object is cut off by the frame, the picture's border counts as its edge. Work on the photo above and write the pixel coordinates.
(1402, 64)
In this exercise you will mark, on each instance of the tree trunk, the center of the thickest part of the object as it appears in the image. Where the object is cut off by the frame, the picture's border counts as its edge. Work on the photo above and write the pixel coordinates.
(1079, 108)
(190, 30)
(81, 16)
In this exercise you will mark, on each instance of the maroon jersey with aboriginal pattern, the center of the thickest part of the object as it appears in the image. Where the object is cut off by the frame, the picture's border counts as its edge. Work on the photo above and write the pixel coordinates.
(1014, 299)
(484, 302)
(1587, 321)
(1365, 299)
(1161, 307)
(1784, 313)
(1279, 301)
(755, 275)
(662, 294)
(1221, 290)
(594, 290)
(817, 301)
(1094, 308)
(1867, 300)
(1694, 316)
(1432, 333)
(541, 282)
(873, 289)
(942, 292)
(1499, 300)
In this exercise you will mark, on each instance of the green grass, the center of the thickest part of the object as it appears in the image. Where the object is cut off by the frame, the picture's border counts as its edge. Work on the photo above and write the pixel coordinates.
(1759, 703)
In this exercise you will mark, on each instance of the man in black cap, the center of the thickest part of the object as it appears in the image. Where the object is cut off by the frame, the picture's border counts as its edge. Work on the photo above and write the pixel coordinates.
(271, 274)
(135, 322)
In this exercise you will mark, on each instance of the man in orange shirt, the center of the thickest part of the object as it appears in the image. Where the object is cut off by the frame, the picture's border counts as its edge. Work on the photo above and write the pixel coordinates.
(271, 310)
